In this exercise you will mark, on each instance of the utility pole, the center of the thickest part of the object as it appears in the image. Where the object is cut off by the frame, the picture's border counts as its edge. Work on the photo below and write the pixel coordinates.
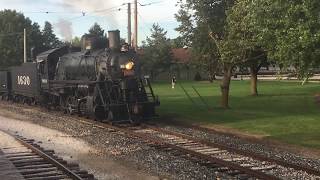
(129, 24)
(135, 43)
(24, 45)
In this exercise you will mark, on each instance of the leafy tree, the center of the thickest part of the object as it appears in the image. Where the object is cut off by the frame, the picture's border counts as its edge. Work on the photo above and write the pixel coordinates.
(177, 42)
(242, 42)
(12, 25)
(96, 30)
(76, 42)
(195, 34)
(157, 53)
(209, 36)
(186, 26)
(36, 39)
(50, 40)
(289, 32)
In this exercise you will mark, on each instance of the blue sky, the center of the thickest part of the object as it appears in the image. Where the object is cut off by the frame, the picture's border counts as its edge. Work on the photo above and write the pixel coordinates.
(67, 17)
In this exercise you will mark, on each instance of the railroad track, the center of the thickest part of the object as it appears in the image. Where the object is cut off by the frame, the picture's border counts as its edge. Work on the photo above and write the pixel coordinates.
(35, 163)
(232, 162)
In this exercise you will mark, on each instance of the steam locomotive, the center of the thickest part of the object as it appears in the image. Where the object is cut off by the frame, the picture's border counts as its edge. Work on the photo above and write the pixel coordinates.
(100, 83)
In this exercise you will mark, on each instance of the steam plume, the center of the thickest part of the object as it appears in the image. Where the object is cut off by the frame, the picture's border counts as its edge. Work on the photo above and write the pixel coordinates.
(65, 29)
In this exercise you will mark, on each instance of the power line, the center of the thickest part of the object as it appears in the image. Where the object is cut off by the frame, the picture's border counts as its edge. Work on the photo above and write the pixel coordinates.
(151, 3)
(89, 16)
(75, 12)
(51, 12)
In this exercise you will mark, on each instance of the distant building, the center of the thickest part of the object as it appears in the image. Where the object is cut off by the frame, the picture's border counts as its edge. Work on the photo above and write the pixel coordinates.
(182, 55)
(181, 66)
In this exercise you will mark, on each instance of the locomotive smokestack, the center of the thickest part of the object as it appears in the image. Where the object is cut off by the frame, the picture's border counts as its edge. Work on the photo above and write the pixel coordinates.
(114, 40)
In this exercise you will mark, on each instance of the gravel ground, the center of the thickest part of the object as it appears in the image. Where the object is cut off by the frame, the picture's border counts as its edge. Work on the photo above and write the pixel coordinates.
(133, 154)
(238, 143)
(127, 152)
(72, 149)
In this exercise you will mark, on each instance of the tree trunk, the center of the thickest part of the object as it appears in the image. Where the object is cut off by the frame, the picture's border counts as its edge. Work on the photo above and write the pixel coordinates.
(254, 81)
(254, 69)
(225, 85)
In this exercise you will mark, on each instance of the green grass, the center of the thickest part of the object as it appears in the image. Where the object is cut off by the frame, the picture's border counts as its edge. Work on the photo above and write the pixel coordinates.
(284, 111)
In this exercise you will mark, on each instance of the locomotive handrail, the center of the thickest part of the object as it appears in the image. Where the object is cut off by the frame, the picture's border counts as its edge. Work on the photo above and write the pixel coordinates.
(151, 90)
(72, 82)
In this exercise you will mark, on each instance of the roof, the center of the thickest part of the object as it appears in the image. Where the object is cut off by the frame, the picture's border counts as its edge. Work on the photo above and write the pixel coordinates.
(44, 55)
(181, 55)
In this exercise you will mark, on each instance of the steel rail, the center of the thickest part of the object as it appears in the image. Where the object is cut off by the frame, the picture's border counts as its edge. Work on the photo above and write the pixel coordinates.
(164, 144)
(60, 166)
(238, 151)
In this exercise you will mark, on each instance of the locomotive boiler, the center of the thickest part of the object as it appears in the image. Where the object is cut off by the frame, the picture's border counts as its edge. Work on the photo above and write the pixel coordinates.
(100, 82)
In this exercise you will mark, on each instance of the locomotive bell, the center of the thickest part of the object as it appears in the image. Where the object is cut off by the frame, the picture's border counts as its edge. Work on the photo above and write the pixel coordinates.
(114, 40)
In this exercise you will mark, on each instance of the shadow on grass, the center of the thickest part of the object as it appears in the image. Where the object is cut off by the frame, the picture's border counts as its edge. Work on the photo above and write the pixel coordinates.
(285, 111)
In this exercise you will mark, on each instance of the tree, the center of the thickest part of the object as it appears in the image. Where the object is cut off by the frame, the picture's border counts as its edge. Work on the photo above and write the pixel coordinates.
(36, 39)
(177, 42)
(239, 32)
(76, 42)
(186, 26)
(209, 36)
(50, 40)
(96, 30)
(195, 35)
(289, 32)
(12, 25)
(157, 55)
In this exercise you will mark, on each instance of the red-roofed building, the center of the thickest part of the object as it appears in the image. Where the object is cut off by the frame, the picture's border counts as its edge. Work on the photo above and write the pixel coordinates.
(181, 66)
(182, 55)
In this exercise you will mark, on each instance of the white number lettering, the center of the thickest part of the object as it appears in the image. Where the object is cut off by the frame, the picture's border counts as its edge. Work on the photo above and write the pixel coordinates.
(24, 80)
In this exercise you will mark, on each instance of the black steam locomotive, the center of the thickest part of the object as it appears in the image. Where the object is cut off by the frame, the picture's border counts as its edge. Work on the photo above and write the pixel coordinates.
(100, 83)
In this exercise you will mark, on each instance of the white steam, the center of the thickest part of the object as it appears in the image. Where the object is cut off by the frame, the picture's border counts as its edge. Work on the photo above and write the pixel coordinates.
(65, 29)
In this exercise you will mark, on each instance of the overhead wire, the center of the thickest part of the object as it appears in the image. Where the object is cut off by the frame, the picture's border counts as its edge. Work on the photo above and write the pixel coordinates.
(97, 13)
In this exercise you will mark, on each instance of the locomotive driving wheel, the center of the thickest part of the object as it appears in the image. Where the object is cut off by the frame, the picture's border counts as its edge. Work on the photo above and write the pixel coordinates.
(70, 105)
(67, 104)
(99, 113)
(110, 116)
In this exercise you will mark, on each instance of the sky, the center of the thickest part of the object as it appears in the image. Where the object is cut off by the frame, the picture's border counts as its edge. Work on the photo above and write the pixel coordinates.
(72, 18)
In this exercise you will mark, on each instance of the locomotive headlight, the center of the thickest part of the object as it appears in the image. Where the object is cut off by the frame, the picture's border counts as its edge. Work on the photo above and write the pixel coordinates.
(129, 65)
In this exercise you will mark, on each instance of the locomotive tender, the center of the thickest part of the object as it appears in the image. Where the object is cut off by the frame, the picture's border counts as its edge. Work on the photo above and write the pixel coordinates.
(100, 83)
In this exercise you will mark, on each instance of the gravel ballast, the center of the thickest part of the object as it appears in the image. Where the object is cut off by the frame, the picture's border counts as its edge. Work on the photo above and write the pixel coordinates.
(239, 143)
(128, 152)
(137, 155)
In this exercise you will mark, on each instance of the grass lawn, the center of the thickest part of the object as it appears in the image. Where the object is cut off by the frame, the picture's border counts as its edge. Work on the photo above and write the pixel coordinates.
(284, 111)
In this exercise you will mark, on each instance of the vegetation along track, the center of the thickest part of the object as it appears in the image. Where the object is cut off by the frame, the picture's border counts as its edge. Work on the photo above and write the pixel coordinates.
(36, 163)
(232, 162)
